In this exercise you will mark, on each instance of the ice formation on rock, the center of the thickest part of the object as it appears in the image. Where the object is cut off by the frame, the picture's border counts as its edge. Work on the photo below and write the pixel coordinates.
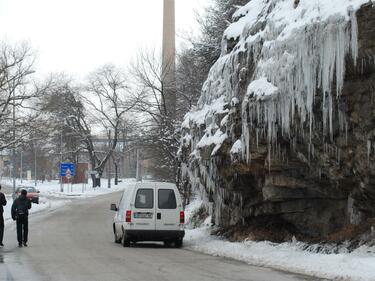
(286, 60)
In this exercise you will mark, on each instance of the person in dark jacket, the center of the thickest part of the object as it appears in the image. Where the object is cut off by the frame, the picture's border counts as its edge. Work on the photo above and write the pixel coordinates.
(3, 202)
(20, 212)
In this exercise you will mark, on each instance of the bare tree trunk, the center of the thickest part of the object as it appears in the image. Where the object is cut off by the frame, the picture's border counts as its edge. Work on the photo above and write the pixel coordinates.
(139, 167)
(116, 173)
(109, 173)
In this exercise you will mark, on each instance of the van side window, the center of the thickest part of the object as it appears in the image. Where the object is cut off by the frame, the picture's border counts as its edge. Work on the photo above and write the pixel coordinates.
(167, 199)
(144, 199)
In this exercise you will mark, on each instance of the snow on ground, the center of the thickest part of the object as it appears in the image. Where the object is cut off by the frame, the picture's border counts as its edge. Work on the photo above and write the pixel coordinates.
(358, 265)
(44, 205)
(52, 198)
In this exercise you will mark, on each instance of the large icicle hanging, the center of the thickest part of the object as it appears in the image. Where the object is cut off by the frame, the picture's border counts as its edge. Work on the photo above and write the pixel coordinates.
(312, 58)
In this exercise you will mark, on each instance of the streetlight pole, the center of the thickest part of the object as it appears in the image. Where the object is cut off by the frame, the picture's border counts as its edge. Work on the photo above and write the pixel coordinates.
(21, 166)
(109, 160)
(14, 144)
(35, 164)
(61, 159)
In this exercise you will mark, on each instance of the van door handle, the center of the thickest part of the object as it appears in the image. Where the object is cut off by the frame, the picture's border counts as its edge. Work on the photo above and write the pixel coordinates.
(158, 216)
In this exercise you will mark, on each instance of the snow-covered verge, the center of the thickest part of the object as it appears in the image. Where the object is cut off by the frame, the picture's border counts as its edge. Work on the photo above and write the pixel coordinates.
(52, 188)
(45, 204)
(52, 198)
(290, 256)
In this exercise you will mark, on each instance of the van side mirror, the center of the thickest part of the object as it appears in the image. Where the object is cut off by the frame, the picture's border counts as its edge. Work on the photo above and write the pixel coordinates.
(114, 207)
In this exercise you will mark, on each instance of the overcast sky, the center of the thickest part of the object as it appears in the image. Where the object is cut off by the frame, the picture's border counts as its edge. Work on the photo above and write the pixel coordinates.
(76, 36)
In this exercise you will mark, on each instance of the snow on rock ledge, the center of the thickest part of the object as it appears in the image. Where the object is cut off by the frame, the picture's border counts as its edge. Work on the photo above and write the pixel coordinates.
(286, 67)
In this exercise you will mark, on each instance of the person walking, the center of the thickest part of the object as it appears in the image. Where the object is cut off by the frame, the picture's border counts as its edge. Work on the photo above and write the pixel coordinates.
(3, 202)
(20, 212)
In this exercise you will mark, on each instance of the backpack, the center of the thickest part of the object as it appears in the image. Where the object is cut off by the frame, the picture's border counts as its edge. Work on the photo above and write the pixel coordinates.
(22, 208)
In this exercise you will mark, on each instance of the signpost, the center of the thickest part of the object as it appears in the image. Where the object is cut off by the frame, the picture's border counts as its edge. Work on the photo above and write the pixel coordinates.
(67, 170)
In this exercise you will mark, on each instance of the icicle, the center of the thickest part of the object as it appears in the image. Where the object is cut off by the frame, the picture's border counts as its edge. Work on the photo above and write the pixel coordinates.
(346, 133)
(368, 150)
(309, 151)
(330, 114)
(269, 158)
(354, 36)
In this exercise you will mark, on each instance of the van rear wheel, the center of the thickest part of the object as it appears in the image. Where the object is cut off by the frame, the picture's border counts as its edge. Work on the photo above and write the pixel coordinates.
(125, 242)
(167, 243)
(178, 243)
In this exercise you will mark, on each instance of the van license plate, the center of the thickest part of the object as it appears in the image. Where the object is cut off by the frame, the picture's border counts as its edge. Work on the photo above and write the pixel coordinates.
(143, 215)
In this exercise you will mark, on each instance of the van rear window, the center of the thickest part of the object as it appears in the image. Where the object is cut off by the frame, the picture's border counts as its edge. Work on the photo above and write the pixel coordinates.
(144, 199)
(167, 199)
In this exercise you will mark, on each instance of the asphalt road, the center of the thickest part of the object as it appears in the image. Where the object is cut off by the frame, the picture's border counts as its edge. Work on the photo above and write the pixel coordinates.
(76, 243)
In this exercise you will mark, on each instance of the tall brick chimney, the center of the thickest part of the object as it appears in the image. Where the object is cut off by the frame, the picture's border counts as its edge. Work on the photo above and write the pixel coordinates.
(169, 57)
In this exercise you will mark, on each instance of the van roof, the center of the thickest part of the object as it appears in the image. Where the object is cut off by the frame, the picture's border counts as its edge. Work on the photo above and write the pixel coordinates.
(145, 184)
(153, 184)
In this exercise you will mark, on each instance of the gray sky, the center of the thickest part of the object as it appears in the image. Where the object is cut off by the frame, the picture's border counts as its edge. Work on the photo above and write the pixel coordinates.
(76, 36)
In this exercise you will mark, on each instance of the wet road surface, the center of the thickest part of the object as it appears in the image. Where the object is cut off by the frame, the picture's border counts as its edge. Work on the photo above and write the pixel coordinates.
(76, 243)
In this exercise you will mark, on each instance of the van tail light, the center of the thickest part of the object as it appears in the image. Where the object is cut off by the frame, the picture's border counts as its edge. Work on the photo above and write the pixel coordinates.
(182, 217)
(128, 216)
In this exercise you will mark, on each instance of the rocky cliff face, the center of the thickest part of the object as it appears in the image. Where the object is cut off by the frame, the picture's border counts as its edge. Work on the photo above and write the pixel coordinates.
(285, 127)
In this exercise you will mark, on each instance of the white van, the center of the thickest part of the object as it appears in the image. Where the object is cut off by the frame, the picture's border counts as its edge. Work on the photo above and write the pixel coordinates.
(149, 212)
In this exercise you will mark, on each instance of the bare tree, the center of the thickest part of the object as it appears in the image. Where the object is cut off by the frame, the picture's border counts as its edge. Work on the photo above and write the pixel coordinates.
(108, 100)
(89, 118)
(190, 74)
(159, 126)
(16, 94)
(60, 102)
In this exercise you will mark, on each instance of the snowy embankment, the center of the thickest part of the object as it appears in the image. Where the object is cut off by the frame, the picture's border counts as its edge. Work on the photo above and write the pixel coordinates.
(51, 198)
(357, 265)
(45, 204)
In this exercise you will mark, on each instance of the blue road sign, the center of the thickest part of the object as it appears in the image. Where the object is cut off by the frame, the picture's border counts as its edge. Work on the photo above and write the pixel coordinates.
(64, 167)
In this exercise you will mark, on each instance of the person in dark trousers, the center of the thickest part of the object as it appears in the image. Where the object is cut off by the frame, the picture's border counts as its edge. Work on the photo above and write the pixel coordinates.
(3, 202)
(20, 212)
